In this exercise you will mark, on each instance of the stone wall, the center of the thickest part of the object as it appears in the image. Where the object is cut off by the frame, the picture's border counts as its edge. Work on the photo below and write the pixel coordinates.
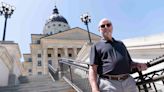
(10, 65)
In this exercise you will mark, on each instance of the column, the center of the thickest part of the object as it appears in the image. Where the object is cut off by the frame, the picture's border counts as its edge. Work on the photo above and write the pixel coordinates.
(55, 58)
(45, 62)
(34, 62)
(75, 52)
(66, 52)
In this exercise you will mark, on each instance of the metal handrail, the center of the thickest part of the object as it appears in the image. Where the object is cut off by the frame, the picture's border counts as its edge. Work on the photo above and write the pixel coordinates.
(142, 77)
(151, 80)
(72, 63)
(80, 79)
(53, 72)
(153, 72)
(151, 63)
(156, 61)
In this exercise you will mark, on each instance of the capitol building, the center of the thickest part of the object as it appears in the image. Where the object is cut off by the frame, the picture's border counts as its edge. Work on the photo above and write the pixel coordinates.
(59, 40)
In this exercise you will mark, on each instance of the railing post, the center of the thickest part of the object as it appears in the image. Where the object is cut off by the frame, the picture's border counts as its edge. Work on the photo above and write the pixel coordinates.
(139, 88)
(162, 80)
(155, 87)
(142, 79)
(60, 71)
(70, 73)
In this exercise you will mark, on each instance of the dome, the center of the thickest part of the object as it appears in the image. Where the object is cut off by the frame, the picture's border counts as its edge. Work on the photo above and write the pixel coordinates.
(58, 18)
(56, 23)
(55, 17)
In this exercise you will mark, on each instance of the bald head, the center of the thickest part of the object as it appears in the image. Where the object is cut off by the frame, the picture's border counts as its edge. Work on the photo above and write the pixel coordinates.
(106, 28)
(104, 20)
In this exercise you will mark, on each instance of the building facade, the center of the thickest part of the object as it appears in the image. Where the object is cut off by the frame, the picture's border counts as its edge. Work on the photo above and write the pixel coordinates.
(57, 41)
(10, 65)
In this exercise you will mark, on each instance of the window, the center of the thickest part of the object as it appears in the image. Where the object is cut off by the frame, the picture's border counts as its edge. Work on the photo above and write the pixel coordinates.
(39, 73)
(39, 63)
(49, 55)
(59, 24)
(30, 70)
(39, 55)
(38, 41)
(50, 62)
(70, 55)
(29, 59)
(53, 24)
(51, 33)
(59, 55)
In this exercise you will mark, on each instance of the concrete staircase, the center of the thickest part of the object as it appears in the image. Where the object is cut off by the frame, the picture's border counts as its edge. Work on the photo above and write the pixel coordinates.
(39, 84)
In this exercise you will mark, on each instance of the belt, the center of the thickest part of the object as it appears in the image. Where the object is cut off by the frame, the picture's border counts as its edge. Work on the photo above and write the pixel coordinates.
(115, 77)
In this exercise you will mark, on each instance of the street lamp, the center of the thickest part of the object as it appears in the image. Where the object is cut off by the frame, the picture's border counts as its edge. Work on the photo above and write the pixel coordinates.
(86, 19)
(6, 10)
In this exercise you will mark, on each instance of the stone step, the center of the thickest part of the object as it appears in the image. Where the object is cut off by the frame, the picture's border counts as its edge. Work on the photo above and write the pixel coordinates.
(64, 89)
(25, 79)
(40, 84)
(37, 88)
(30, 81)
(35, 84)
(28, 85)
(39, 77)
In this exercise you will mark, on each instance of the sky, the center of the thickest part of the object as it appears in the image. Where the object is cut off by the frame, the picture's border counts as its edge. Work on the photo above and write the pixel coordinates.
(130, 18)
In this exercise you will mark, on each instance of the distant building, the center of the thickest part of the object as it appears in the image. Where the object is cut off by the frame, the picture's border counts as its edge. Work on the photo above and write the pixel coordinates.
(148, 47)
(57, 41)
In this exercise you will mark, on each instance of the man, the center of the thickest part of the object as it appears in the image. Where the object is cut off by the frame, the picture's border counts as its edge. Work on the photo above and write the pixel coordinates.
(110, 63)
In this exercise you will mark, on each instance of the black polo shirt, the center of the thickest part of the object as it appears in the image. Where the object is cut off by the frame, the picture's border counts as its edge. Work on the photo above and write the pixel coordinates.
(111, 57)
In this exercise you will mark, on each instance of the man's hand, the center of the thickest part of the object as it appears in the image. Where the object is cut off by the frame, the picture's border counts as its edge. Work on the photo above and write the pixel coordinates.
(141, 66)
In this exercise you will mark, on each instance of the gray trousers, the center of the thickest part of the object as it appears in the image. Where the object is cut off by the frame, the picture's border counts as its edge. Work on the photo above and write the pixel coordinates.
(107, 85)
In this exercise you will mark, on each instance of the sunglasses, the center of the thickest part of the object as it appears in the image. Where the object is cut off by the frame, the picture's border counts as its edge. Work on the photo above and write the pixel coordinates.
(105, 25)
